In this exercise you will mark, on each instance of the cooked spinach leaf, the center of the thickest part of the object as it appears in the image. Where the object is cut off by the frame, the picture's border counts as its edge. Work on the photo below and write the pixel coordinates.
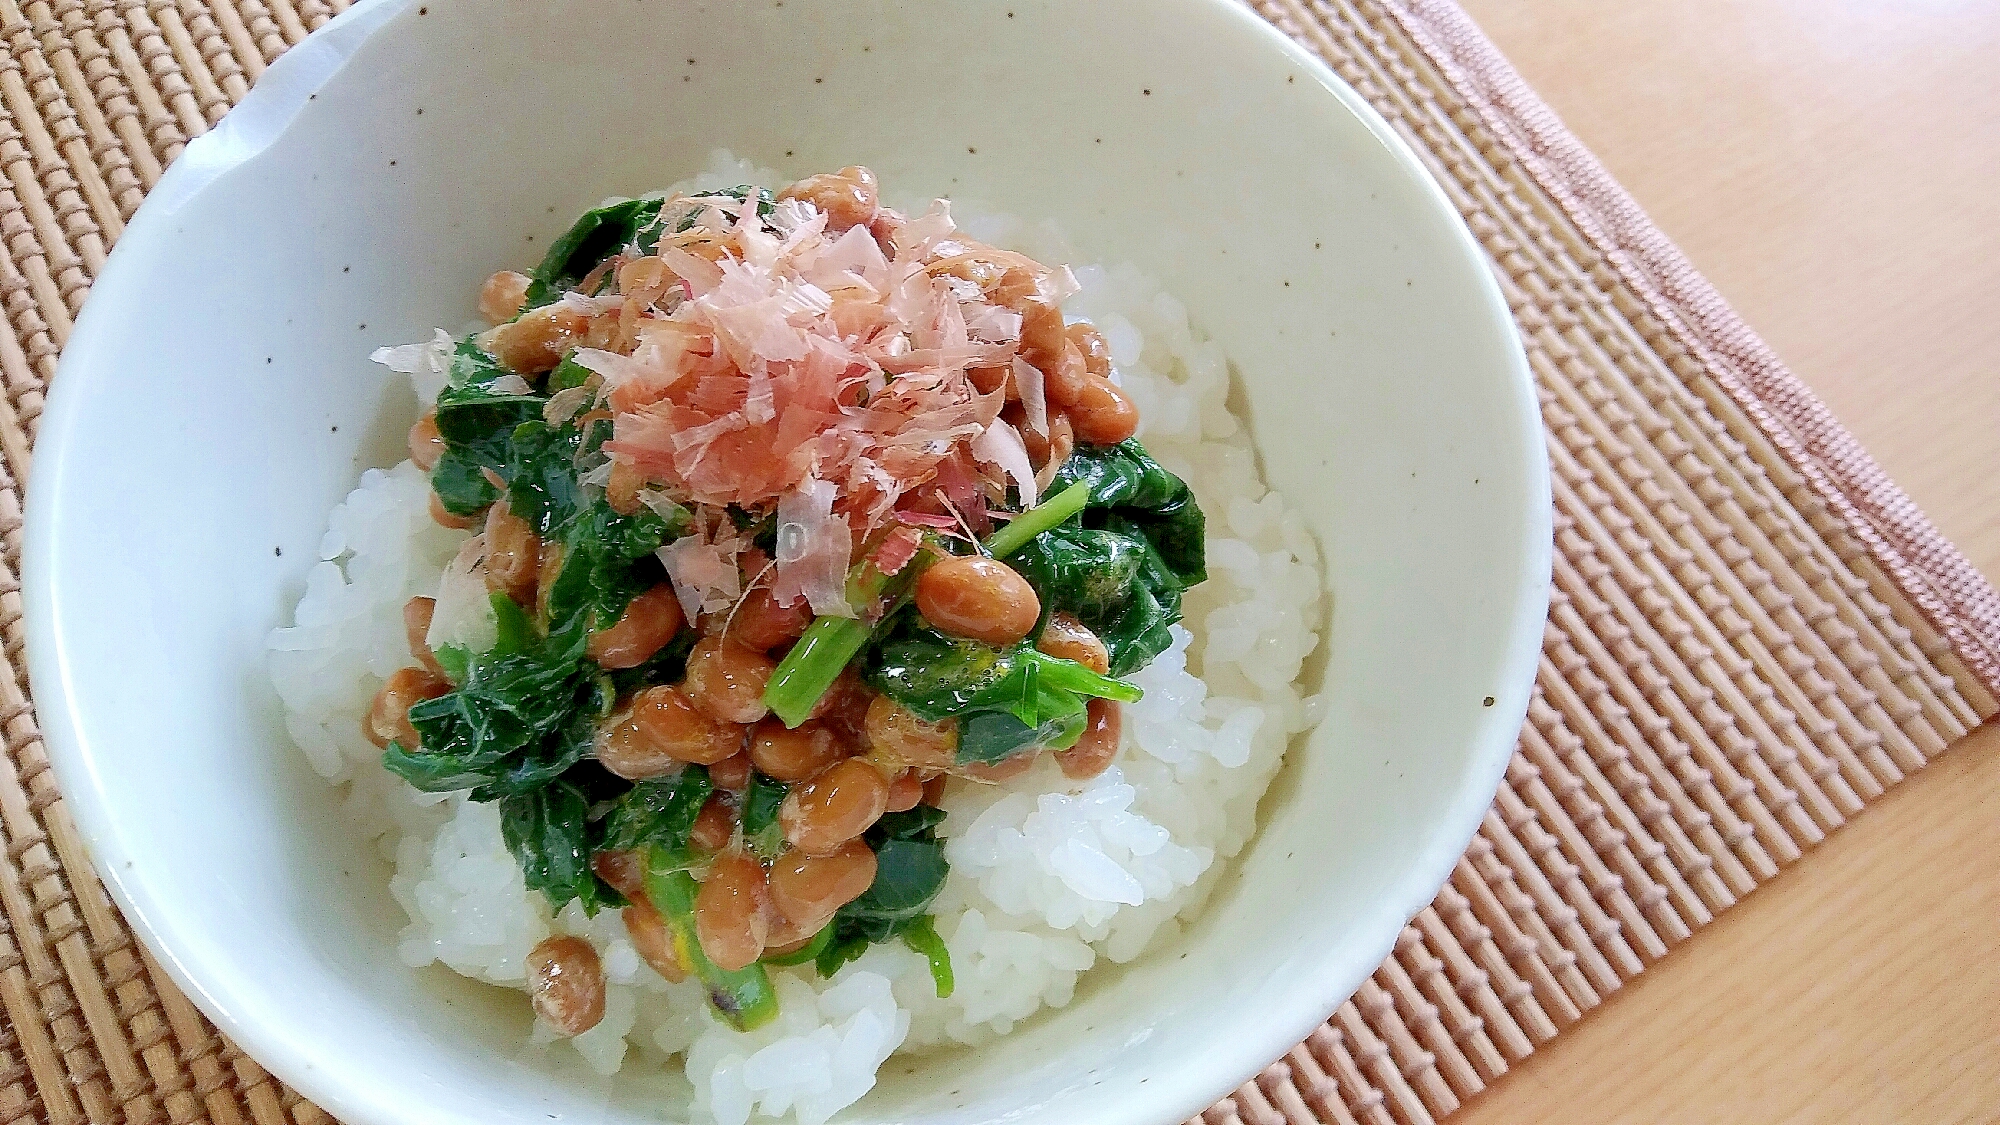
(831, 643)
(607, 558)
(460, 484)
(607, 561)
(604, 231)
(471, 414)
(549, 831)
(475, 422)
(513, 629)
(569, 373)
(599, 785)
(1121, 565)
(908, 875)
(524, 712)
(511, 721)
(471, 365)
(1113, 582)
(659, 812)
(518, 730)
(600, 233)
(987, 737)
(939, 676)
(1004, 699)
(919, 823)
(541, 475)
(760, 806)
(1131, 494)
(910, 870)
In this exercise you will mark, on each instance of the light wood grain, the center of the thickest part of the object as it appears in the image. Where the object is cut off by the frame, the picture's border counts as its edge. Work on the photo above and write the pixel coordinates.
(1830, 165)
(1858, 987)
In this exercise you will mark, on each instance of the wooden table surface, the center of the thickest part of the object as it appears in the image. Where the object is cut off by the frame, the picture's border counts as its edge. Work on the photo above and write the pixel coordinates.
(1834, 167)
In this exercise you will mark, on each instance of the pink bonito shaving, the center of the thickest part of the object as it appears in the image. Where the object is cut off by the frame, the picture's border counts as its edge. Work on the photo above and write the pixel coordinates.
(819, 367)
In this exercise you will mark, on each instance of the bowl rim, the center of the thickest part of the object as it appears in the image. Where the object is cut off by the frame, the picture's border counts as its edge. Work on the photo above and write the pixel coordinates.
(268, 110)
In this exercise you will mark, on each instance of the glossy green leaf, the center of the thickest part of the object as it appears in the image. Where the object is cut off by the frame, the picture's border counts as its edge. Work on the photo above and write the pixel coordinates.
(600, 233)
(659, 812)
(548, 830)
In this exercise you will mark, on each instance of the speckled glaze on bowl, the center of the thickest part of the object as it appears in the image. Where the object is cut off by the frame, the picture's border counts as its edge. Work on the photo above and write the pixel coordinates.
(214, 402)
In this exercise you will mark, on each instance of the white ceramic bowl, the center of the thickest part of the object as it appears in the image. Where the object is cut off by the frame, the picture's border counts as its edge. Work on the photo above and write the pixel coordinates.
(215, 402)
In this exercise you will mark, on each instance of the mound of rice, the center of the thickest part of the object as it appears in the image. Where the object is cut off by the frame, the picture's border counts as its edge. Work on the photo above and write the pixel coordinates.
(1048, 876)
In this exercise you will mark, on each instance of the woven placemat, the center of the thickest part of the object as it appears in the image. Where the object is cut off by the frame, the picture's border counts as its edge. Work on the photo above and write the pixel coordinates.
(1753, 633)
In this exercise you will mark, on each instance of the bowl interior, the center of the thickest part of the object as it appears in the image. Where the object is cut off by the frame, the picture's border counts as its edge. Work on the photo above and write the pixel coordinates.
(215, 402)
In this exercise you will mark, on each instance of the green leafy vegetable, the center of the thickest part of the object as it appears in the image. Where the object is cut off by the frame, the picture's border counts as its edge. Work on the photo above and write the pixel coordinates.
(518, 729)
(1121, 566)
(461, 487)
(599, 786)
(939, 676)
(517, 721)
(471, 365)
(607, 557)
(659, 812)
(910, 870)
(607, 561)
(600, 233)
(761, 831)
(604, 231)
(908, 875)
(1004, 699)
(919, 823)
(812, 665)
(513, 629)
(1130, 493)
(830, 643)
(455, 660)
(472, 415)
(549, 832)
(475, 422)
(540, 470)
(1113, 582)
(519, 725)
(987, 737)
(569, 373)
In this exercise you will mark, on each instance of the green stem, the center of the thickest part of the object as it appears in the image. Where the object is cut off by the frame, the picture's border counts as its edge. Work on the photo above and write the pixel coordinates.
(812, 665)
(743, 997)
(1053, 671)
(922, 936)
(1038, 519)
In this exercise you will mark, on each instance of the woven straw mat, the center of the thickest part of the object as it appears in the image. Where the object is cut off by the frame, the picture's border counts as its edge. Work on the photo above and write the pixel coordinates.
(1753, 632)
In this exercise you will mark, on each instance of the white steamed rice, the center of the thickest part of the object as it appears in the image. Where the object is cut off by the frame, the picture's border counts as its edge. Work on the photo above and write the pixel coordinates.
(1048, 876)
